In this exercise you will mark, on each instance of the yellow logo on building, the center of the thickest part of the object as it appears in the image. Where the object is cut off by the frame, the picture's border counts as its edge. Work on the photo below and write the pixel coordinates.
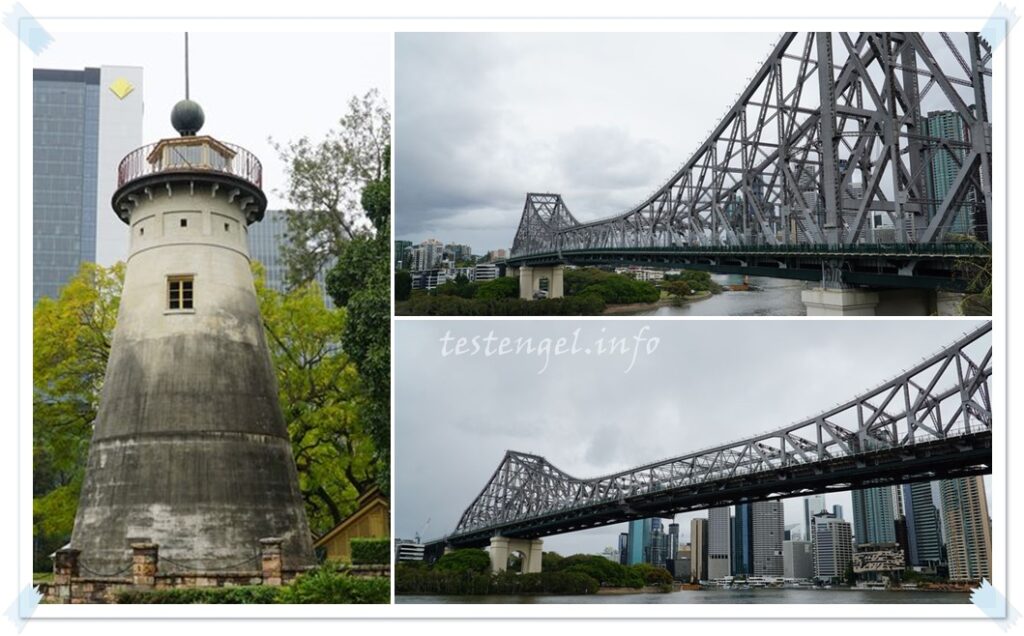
(121, 88)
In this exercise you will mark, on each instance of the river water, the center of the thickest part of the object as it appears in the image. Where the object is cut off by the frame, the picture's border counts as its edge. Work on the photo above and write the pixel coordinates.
(772, 297)
(700, 597)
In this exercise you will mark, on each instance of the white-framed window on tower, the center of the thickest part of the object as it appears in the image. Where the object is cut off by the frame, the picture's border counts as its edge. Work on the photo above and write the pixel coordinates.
(180, 290)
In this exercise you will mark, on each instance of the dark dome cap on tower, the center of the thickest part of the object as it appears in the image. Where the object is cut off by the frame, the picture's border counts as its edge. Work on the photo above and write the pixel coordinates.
(187, 117)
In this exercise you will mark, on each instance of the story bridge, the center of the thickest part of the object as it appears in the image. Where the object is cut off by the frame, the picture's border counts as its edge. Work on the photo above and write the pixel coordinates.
(932, 421)
(849, 159)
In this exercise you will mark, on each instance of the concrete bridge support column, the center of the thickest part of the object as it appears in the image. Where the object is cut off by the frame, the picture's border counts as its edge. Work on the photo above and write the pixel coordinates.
(530, 278)
(888, 302)
(502, 547)
(839, 302)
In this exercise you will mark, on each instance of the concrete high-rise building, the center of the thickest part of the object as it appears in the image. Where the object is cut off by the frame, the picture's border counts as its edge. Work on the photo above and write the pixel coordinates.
(814, 504)
(743, 540)
(265, 242)
(189, 449)
(833, 547)
(457, 253)
(484, 272)
(924, 538)
(623, 548)
(837, 510)
(768, 526)
(425, 256)
(639, 539)
(699, 549)
(673, 540)
(719, 543)
(83, 124)
(968, 530)
(798, 559)
(872, 515)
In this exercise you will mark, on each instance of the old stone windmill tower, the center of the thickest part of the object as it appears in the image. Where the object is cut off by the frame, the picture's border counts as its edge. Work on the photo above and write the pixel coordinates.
(190, 451)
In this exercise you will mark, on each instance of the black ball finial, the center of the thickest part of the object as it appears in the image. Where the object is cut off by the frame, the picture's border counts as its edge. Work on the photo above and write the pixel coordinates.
(187, 117)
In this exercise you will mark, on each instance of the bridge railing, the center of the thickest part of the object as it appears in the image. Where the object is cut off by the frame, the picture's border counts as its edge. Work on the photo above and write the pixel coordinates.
(952, 249)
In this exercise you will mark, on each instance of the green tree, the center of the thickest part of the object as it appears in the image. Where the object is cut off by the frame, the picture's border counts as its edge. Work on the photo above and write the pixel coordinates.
(977, 274)
(71, 338)
(465, 560)
(403, 285)
(326, 181)
(504, 287)
(321, 400)
(361, 283)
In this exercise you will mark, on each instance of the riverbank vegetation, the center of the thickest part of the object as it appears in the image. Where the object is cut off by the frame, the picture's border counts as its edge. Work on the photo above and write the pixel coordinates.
(468, 571)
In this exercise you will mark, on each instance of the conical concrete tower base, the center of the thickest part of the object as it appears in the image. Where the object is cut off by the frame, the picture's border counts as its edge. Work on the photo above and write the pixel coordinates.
(190, 450)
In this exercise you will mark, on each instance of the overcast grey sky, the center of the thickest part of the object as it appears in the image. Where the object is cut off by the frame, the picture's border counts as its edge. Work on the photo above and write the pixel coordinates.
(250, 85)
(707, 382)
(601, 118)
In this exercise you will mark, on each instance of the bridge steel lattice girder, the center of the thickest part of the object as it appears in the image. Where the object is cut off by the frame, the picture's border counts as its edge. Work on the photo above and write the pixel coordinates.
(931, 421)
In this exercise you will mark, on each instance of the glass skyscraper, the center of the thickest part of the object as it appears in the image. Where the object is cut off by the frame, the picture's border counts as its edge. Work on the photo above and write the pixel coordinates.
(924, 541)
(873, 515)
(83, 123)
(265, 241)
(65, 142)
(948, 125)
(814, 504)
(639, 537)
(743, 540)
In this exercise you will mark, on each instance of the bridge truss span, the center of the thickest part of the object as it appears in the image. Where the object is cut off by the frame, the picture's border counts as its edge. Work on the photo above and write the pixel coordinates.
(839, 139)
(931, 421)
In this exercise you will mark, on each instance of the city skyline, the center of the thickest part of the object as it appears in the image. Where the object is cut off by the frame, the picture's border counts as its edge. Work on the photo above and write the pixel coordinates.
(567, 417)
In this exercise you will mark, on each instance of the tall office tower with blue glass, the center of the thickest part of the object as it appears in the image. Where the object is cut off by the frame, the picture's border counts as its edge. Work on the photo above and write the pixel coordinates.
(83, 123)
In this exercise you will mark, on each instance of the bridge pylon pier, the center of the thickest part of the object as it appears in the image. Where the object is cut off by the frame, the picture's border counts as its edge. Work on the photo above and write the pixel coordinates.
(530, 279)
(502, 547)
(859, 301)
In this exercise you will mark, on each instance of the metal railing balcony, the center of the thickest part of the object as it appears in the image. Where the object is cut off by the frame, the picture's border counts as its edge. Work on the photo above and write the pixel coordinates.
(190, 154)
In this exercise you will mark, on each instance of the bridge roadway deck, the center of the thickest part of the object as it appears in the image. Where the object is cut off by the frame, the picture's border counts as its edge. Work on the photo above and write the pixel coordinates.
(880, 266)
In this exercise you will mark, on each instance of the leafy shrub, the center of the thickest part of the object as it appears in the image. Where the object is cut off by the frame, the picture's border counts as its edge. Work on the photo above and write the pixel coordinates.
(238, 594)
(325, 585)
(373, 551)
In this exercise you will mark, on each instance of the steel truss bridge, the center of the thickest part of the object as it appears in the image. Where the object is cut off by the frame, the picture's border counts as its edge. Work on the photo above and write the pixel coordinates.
(849, 158)
(930, 422)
